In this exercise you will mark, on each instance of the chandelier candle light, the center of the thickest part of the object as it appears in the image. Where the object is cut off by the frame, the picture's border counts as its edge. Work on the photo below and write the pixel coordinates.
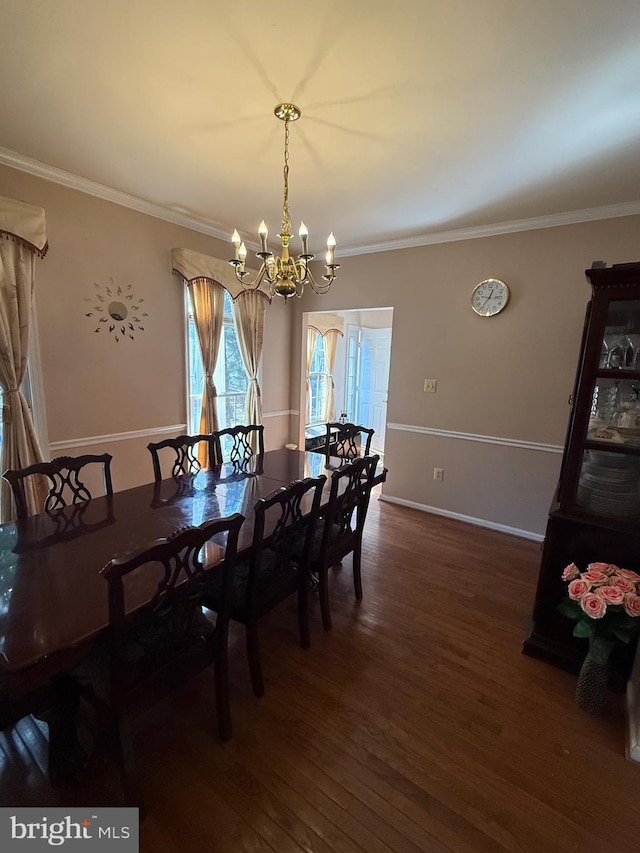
(286, 276)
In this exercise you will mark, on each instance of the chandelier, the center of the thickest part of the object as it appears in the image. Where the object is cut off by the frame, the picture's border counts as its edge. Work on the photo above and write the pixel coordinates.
(286, 276)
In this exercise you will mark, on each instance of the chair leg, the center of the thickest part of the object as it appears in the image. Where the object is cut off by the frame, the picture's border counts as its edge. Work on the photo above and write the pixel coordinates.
(253, 653)
(62, 720)
(223, 711)
(127, 761)
(324, 598)
(357, 574)
(303, 614)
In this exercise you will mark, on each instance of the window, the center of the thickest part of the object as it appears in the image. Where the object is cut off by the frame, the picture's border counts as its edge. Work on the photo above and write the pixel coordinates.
(230, 376)
(318, 381)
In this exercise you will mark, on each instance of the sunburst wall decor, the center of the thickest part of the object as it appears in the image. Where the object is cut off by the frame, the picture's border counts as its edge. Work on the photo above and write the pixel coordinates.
(118, 310)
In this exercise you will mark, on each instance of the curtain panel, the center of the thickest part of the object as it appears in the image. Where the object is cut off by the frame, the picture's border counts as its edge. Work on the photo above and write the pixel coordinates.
(330, 344)
(22, 239)
(207, 301)
(248, 314)
(311, 347)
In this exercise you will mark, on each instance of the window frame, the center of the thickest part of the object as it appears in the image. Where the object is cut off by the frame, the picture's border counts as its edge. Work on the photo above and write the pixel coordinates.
(323, 377)
(240, 397)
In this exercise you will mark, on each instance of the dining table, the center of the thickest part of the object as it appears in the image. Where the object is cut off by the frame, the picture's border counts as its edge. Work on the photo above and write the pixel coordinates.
(53, 598)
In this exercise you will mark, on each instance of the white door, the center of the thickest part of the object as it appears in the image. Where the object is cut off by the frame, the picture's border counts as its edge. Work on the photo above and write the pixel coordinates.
(375, 355)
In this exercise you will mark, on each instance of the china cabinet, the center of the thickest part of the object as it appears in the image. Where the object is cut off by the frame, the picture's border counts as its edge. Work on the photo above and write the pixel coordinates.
(595, 513)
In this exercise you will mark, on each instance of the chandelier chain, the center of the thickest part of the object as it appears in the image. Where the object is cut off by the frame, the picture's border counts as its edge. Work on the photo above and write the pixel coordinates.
(286, 219)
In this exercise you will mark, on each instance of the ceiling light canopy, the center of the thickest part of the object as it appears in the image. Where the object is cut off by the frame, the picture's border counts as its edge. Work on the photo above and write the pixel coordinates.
(285, 275)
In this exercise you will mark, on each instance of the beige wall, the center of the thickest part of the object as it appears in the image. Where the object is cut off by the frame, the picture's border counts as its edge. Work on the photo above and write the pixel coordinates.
(95, 387)
(506, 378)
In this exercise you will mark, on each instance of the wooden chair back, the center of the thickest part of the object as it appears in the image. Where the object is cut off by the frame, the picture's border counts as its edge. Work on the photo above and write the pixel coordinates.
(187, 454)
(238, 444)
(65, 484)
(347, 441)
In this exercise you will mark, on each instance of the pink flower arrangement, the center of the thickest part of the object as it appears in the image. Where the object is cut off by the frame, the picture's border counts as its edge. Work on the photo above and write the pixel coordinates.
(604, 601)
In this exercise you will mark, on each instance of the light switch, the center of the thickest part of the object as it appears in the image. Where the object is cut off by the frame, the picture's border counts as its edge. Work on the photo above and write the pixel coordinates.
(430, 386)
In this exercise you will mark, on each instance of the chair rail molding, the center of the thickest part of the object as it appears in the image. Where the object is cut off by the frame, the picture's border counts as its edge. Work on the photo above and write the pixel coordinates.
(280, 414)
(483, 439)
(85, 441)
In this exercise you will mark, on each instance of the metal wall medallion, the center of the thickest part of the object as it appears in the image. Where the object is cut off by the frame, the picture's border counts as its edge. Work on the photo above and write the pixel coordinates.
(119, 312)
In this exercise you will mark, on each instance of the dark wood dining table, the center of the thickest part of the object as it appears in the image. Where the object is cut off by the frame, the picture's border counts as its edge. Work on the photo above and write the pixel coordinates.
(53, 599)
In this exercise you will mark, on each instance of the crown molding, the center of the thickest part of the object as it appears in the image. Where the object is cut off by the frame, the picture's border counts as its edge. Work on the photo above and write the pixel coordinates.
(552, 220)
(67, 179)
(84, 185)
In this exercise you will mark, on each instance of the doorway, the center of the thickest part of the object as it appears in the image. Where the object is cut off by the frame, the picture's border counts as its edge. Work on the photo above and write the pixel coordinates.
(367, 382)
(360, 377)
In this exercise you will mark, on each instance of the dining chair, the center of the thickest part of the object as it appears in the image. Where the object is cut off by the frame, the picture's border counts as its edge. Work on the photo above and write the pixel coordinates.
(238, 444)
(159, 642)
(339, 531)
(65, 486)
(346, 440)
(269, 576)
(186, 452)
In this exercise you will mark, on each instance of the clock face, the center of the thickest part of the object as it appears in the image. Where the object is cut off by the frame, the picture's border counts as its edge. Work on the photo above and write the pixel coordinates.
(489, 297)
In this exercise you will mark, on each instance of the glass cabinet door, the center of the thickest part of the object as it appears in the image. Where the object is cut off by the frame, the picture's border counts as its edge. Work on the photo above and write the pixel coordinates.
(609, 474)
(620, 348)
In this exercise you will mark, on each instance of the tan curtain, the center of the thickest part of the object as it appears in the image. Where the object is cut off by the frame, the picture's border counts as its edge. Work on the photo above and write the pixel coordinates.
(248, 314)
(312, 337)
(20, 445)
(207, 301)
(330, 343)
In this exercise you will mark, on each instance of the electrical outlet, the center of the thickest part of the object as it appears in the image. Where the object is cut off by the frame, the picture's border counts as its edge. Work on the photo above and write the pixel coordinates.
(430, 386)
(438, 474)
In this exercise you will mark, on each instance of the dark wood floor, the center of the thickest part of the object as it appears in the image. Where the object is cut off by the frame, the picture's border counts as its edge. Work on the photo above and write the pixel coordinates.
(415, 725)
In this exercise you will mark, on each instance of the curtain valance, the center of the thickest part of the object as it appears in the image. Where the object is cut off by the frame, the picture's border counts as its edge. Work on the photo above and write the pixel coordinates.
(192, 266)
(24, 223)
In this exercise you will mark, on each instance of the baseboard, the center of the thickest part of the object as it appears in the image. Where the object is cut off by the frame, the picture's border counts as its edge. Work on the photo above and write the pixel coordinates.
(478, 522)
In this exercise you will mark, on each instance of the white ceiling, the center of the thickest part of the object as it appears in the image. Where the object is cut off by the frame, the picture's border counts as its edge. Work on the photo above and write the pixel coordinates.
(419, 116)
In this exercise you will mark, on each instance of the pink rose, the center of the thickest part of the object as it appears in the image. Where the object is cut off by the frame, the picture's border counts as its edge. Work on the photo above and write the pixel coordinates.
(578, 588)
(606, 568)
(570, 572)
(593, 605)
(595, 577)
(627, 573)
(610, 594)
(632, 605)
(624, 584)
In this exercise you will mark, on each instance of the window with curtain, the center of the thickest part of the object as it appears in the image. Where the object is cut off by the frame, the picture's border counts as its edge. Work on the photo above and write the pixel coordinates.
(230, 376)
(318, 382)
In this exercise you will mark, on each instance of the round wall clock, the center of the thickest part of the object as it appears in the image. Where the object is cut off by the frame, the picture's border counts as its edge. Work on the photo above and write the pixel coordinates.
(489, 297)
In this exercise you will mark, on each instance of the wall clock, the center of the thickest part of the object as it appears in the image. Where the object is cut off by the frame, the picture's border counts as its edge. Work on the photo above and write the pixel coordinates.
(489, 297)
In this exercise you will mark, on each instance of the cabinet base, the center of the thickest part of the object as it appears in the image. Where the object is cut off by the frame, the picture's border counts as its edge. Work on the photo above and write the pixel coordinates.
(552, 651)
